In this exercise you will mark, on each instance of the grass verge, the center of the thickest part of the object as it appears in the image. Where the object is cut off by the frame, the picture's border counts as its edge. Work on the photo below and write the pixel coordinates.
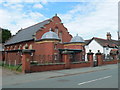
(11, 67)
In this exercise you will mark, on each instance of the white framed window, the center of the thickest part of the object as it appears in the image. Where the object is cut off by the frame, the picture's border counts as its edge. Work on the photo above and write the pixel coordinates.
(107, 48)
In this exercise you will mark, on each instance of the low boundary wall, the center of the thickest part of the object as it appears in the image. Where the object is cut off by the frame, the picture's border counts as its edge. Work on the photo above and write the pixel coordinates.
(39, 68)
(110, 62)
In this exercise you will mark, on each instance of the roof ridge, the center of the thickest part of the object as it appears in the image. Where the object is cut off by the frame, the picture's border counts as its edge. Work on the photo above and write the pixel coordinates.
(33, 28)
(30, 26)
(104, 39)
(36, 24)
(99, 38)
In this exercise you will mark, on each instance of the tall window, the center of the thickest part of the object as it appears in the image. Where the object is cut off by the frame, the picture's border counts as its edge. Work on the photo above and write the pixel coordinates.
(55, 46)
(60, 36)
(56, 30)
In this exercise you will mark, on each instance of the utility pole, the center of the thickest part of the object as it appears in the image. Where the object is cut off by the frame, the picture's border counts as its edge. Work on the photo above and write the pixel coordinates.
(119, 43)
(119, 30)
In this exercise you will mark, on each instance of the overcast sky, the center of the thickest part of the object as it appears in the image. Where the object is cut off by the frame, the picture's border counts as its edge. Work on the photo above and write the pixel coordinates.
(88, 18)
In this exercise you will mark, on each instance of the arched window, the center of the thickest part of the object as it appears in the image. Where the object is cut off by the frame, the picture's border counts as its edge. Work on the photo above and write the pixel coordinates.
(11, 47)
(20, 46)
(30, 46)
(7, 48)
(25, 46)
(14, 47)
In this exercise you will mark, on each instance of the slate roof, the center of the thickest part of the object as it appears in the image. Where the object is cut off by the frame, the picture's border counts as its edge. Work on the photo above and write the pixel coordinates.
(27, 33)
(87, 41)
(103, 42)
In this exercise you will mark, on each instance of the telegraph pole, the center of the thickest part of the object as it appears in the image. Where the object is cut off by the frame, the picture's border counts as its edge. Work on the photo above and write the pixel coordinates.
(119, 43)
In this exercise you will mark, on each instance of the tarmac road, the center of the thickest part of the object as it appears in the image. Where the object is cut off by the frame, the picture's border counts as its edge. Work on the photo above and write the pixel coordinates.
(104, 78)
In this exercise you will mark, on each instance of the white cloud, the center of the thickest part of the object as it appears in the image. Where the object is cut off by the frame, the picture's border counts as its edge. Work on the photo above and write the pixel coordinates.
(44, 1)
(16, 20)
(13, 6)
(93, 23)
(37, 6)
(22, 1)
(94, 19)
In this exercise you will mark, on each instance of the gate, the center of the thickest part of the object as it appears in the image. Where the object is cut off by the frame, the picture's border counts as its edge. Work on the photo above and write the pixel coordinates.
(95, 62)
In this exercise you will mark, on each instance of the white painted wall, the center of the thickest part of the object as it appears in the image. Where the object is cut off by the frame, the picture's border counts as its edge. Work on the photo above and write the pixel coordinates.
(106, 50)
(94, 46)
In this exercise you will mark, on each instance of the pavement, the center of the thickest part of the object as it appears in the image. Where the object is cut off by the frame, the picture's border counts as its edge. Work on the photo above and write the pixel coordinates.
(40, 79)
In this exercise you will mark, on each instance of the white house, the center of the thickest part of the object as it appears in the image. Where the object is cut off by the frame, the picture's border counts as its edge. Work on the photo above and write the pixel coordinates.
(106, 46)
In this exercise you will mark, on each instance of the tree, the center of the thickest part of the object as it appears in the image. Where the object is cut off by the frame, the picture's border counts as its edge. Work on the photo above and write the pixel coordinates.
(5, 34)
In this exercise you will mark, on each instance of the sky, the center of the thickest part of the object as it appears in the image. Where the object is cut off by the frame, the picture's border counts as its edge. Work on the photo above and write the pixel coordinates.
(87, 18)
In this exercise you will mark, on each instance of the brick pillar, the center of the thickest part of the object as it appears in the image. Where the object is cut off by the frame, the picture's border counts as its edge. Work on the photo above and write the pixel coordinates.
(26, 55)
(6, 58)
(90, 58)
(66, 59)
(99, 58)
(115, 58)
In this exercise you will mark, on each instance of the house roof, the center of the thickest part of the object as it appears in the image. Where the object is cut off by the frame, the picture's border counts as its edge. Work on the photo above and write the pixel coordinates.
(103, 42)
(27, 33)
(114, 51)
(87, 41)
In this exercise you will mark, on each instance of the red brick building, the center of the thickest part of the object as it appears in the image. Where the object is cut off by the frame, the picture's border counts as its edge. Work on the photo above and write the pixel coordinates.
(48, 39)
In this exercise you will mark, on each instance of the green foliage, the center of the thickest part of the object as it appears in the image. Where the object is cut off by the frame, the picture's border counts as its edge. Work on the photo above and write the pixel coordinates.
(11, 67)
(5, 35)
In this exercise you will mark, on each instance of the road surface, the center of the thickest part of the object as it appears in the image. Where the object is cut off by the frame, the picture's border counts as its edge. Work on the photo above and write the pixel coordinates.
(107, 78)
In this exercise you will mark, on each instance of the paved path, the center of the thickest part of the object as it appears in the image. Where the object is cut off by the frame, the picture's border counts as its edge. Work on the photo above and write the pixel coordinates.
(69, 78)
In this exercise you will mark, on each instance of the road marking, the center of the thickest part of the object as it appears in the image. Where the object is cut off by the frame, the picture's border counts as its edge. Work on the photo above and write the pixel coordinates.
(94, 80)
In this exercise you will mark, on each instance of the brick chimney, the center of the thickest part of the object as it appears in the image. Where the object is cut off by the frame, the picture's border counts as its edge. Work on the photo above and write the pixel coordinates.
(108, 36)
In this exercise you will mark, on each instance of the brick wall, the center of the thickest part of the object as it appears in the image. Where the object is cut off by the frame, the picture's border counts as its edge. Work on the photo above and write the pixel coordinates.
(80, 65)
(16, 46)
(55, 22)
(110, 62)
(39, 68)
(13, 58)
